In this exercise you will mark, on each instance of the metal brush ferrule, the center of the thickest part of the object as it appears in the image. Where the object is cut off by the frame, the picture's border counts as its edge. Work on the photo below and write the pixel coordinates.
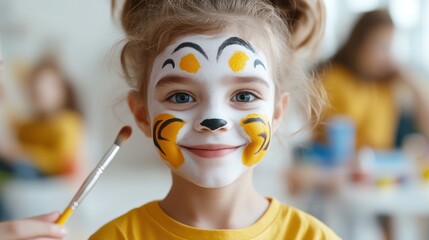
(93, 177)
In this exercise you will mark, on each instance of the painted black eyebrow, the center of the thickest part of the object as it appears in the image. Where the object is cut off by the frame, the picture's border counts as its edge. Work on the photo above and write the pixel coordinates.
(252, 120)
(191, 45)
(168, 61)
(232, 41)
(258, 62)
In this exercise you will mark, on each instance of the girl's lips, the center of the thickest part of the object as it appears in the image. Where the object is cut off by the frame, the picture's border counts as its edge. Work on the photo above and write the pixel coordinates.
(211, 151)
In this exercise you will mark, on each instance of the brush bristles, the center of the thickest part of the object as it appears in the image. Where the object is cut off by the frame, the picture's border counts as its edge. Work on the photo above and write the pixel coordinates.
(123, 135)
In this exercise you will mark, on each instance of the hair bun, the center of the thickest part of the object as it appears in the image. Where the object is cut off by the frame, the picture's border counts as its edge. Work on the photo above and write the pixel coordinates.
(131, 13)
(306, 20)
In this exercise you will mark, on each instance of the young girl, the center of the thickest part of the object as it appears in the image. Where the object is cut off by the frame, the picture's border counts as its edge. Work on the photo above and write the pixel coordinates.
(51, 138)
(212, 79)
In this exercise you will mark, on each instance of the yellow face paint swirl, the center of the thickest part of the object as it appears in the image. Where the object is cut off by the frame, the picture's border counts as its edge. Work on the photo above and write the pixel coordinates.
(258, 128)
(189, 63)
(238, 61)
(165, 130)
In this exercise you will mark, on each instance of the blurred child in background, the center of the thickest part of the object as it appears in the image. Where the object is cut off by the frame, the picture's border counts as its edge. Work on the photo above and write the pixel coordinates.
(51, 138)
(362, 81)
(365, 86)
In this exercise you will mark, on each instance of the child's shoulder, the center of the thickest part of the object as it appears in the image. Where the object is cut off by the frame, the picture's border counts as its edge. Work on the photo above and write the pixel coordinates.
(121, 226)
(136, 214)
(298, 224)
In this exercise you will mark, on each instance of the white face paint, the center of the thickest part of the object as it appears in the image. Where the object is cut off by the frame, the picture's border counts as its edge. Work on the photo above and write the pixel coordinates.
(211, 102)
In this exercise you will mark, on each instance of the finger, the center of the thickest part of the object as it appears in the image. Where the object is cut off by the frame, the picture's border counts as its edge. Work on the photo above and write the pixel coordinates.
(50, 217)
(43, 238)
(30, 228)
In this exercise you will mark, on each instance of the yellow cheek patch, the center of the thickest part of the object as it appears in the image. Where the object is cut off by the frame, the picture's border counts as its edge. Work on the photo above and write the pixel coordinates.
(258, 128)
(165, 130)
(238, 61)
(189, 63)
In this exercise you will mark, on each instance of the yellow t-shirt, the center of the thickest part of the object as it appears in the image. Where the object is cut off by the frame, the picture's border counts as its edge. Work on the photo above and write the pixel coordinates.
(278, 222)
(52, 144)
(369, 104)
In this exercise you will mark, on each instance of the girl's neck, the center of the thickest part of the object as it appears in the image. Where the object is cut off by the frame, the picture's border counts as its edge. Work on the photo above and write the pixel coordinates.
(237, 205)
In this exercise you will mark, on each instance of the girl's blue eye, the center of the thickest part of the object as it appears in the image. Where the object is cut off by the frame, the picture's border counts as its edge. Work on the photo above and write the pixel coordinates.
(181, 98)
(244, 97)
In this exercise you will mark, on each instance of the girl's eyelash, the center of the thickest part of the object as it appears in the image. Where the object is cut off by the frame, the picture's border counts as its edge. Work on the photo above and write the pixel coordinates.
(255, 94)
(172, 98)
(170, 95)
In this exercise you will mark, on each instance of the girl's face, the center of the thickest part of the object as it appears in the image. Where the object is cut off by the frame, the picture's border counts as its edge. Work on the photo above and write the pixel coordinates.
(47, 92)
(210, 108)
(375, 55)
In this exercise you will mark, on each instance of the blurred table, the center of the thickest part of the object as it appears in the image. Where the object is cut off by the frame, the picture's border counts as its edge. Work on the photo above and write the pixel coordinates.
(407, 204)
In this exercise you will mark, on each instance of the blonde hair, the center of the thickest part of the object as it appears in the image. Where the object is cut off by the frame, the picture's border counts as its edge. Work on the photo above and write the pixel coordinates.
(293, 30)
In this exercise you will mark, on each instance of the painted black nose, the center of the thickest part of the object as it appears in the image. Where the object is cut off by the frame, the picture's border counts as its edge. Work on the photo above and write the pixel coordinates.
(213, 123)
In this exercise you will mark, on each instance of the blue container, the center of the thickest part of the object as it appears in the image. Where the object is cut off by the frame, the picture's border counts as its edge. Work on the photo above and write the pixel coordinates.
(341, 136)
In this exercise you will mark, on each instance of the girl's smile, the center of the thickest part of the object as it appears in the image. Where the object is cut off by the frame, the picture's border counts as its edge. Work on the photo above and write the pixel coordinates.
(211, 150)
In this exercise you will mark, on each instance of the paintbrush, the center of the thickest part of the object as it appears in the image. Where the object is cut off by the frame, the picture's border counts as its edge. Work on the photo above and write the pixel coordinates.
(90, 181)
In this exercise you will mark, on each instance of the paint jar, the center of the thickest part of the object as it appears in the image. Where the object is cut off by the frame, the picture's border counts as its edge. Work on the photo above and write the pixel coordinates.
(341, 138)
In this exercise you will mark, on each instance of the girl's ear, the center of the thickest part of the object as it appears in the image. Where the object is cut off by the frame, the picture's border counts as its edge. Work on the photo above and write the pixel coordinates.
(139, 110)
(279, 108)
